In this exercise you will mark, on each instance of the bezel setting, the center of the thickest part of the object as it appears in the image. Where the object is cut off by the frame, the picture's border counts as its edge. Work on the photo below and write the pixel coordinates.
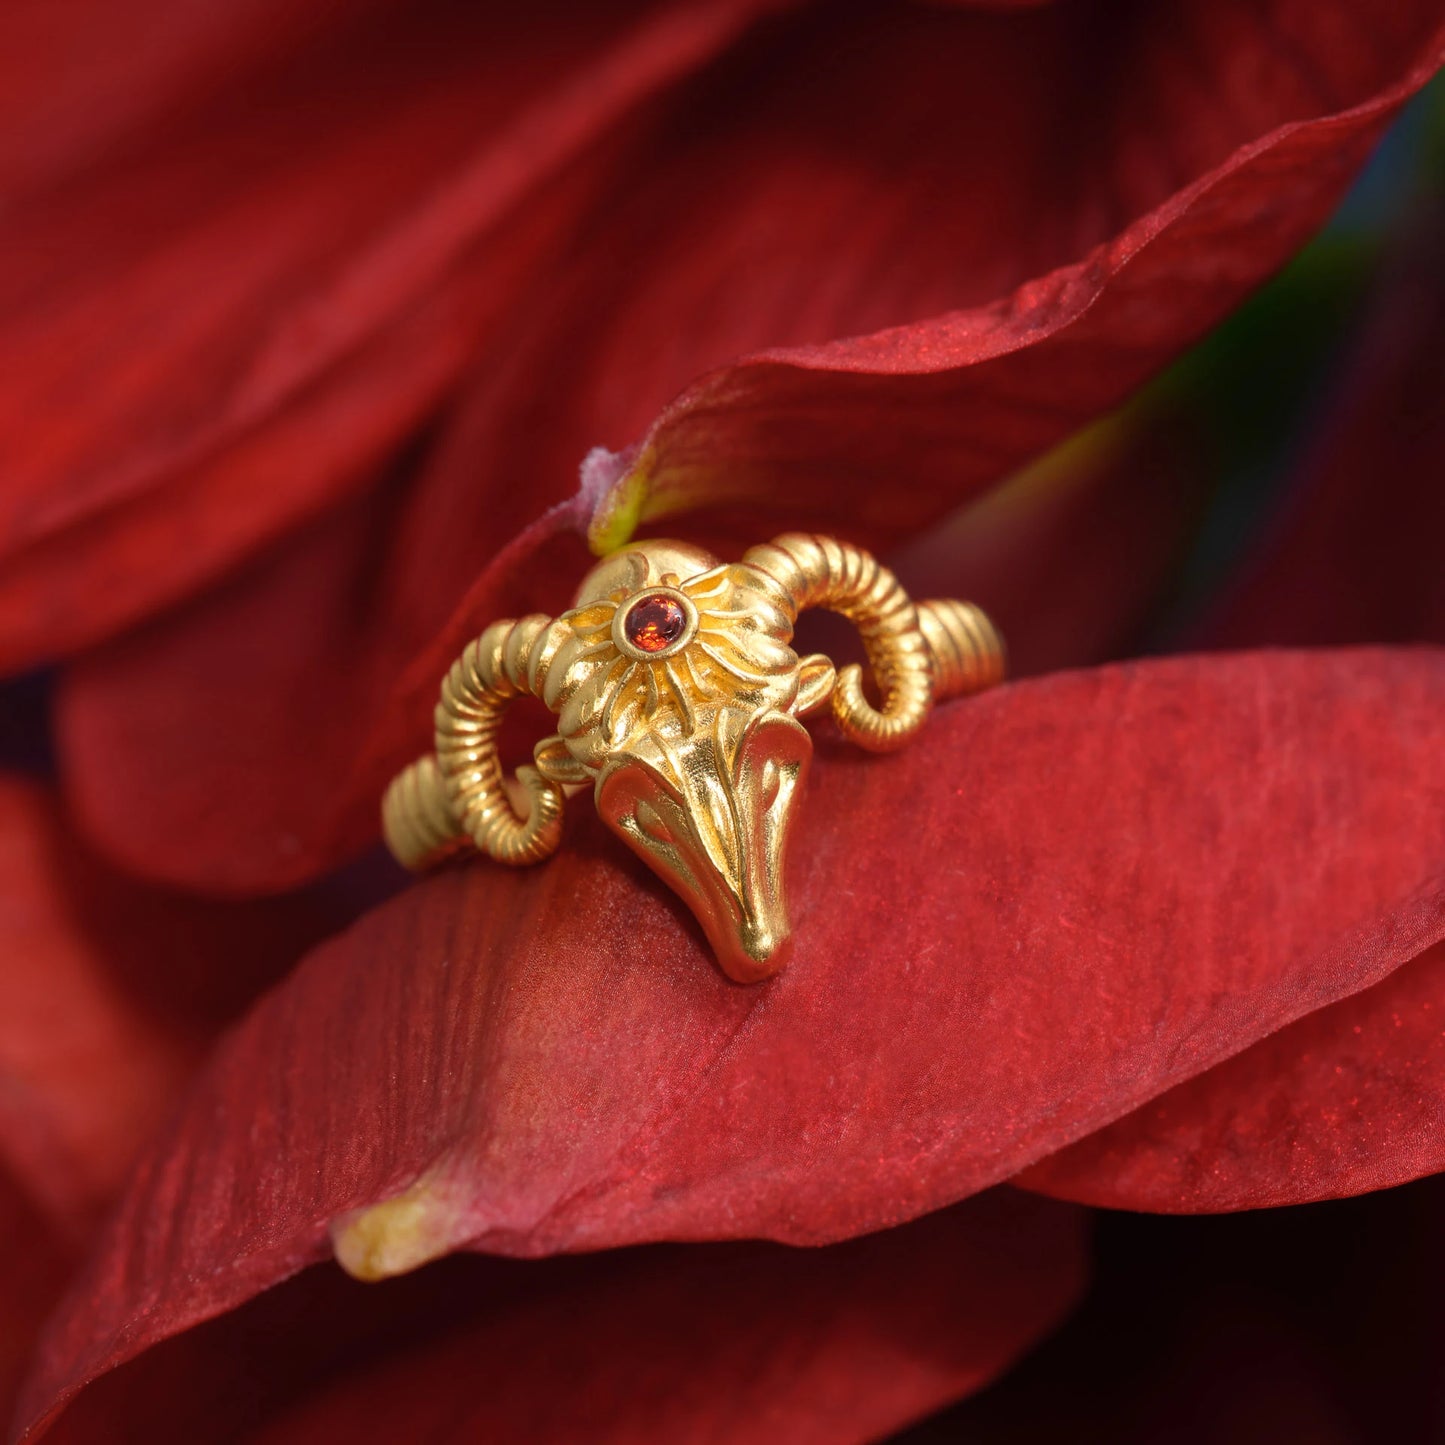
(624, 642)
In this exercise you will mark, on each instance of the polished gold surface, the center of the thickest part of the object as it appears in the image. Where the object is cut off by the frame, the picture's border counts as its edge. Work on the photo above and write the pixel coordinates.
(677, 695)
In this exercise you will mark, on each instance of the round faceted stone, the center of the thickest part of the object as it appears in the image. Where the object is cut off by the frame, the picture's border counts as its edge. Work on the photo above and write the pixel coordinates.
(653, 624)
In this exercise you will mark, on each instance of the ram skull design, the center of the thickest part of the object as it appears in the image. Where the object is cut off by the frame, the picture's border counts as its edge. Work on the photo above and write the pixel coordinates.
(678, 696)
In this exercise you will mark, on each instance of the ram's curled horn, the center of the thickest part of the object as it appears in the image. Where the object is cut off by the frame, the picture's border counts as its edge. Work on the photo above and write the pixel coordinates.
(417, 819)
(967, 652)
(458, 797)
(820, 572)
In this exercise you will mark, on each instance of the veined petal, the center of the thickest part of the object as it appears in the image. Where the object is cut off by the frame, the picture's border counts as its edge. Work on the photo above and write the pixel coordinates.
(1168, 202)
(1009, 248)
(1019, 929)
(35, 1263)
(85, 1071)
(109, 993)
(1346, 1100)
(222, 333)
(727, 1343)
(1352, 552)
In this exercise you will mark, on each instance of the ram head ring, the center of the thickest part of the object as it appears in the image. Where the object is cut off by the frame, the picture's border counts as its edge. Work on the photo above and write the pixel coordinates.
(679, 696)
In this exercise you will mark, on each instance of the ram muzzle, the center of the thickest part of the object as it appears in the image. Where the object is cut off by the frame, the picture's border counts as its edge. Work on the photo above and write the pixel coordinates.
(716, 830)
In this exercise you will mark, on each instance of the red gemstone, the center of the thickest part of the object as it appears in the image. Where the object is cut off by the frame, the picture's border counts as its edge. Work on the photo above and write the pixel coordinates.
(655, 623)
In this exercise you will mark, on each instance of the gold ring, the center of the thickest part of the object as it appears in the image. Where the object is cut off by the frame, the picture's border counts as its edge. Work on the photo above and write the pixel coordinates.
(677, 696)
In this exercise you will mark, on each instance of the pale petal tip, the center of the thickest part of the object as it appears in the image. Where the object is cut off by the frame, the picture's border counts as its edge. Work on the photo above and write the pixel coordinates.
(613, 488)
(393, 1237)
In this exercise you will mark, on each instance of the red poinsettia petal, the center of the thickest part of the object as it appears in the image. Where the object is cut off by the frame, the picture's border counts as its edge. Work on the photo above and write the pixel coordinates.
(104, 1013)
(108, 994)
(1074, 894)
(1344, 1101)
(1066, 557)
(78, 79)
(612, 340)
(1232, 131)
(264, 697)
(84, 1072)
(210, 342)
(1072, 556)
(1355, 555)
(724, 1342)
(33, 1264)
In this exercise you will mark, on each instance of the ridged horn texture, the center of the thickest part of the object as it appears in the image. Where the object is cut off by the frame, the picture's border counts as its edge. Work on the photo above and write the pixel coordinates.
(417, 819)
(967, 652)
(508, 659)
(822, 572)
(437, 805)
